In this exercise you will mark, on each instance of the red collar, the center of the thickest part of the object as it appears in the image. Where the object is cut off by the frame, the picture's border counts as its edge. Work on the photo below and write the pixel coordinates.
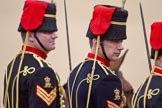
(92, 56)
(35, 51)
(158, 70)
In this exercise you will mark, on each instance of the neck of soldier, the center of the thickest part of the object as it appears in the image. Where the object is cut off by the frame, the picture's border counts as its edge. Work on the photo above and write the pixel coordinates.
(37, 47)
(159, 61)
(99, 53)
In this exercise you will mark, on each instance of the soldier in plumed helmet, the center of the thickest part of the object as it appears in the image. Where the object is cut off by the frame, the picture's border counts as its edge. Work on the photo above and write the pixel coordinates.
(92, 84)
(149, 94)
(30, 81)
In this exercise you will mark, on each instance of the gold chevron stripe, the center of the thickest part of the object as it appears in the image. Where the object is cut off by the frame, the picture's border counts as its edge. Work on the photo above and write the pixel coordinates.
(40, 96)
(48, 102)
(112, 105)
(44, 91)
(48, 98)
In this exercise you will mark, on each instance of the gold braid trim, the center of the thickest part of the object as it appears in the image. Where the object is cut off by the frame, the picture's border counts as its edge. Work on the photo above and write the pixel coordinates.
(149, 79)
(92, 73)
(49, 15)
(118, 23)
(61, 92)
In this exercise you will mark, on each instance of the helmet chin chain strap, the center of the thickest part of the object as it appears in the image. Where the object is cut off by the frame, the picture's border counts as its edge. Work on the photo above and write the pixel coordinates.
(103, 50)
(39, 42)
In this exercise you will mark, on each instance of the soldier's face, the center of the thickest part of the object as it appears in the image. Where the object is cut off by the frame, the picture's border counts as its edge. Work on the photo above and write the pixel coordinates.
(113, 48)
(47, 39)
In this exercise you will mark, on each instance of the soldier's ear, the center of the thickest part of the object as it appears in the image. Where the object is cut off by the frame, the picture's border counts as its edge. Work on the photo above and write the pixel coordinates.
(31, 36)
(94, 40)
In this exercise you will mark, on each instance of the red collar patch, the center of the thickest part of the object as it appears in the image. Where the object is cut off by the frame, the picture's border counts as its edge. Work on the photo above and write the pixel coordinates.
(158, 70)
(92, 56)
(36, 51)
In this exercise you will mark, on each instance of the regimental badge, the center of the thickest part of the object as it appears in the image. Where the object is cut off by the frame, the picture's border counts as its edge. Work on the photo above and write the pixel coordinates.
(47, 82)
(117, 94)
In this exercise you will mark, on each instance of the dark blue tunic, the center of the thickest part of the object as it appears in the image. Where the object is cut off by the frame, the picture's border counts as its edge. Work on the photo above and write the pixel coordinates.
(38, 83)
(106, 88)
(153, 92)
